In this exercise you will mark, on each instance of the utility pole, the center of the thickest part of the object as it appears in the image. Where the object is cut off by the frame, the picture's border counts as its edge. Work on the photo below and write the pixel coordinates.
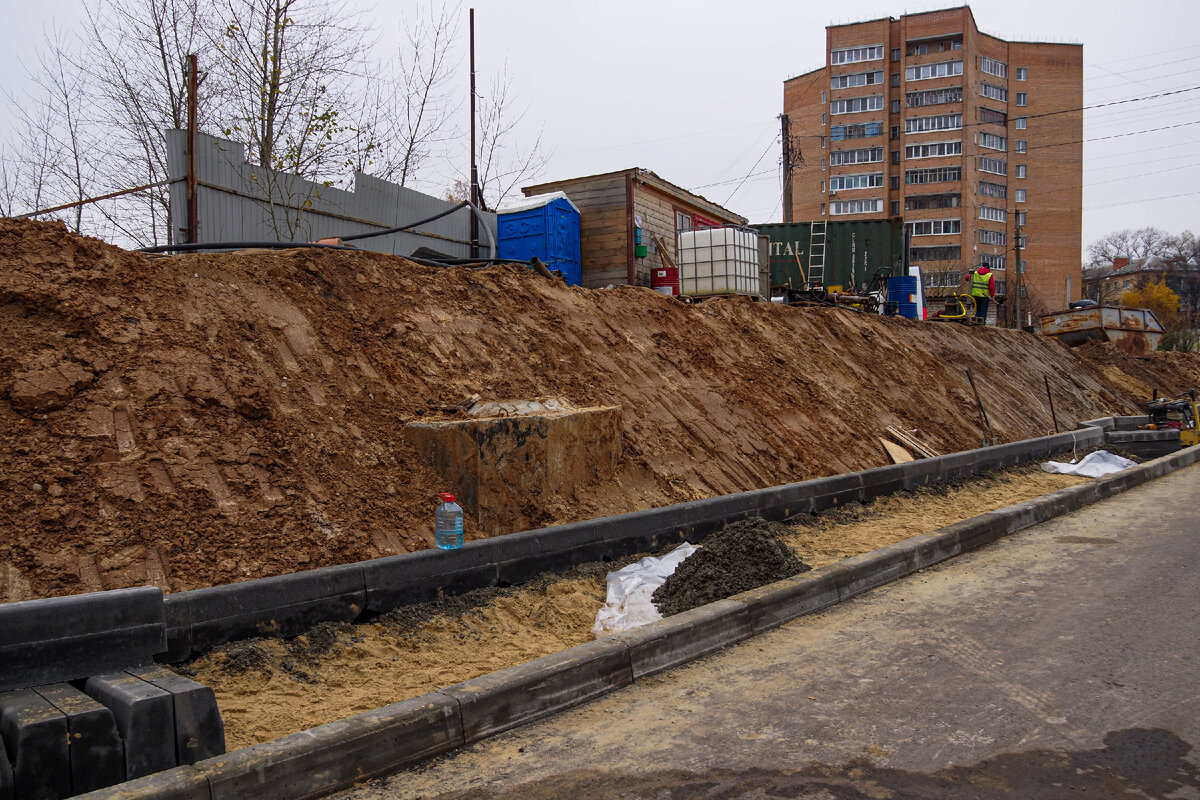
(1017, 269)
(193, 84)
(474, 164)
(787, 167)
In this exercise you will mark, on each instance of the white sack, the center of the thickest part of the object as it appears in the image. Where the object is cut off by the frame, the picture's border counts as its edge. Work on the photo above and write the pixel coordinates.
(1093, 465)
(630, 589)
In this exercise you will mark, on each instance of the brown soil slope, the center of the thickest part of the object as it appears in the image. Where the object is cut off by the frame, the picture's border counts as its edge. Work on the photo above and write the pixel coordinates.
(210, 418)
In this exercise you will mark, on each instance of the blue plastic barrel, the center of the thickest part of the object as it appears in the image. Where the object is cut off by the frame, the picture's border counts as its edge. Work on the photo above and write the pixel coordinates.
(903, 289)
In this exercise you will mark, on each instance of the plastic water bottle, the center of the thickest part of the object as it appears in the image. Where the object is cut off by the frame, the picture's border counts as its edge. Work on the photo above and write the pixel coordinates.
(448, 524)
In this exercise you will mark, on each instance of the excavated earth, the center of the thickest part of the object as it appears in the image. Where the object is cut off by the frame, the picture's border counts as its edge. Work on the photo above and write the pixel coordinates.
(202, 419)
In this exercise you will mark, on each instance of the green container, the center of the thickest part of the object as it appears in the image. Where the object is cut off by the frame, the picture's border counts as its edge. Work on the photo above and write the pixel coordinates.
(640, 250)
(854, 250)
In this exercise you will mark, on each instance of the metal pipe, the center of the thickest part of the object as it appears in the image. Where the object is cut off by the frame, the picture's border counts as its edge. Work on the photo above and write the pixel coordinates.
(482, 221)
(1050, 397)
(474, 194)
(193, 216)
(357, 236)
(989, 438)
(108, 196)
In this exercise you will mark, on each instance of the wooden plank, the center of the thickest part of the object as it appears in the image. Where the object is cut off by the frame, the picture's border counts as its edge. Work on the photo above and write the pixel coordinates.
(898, 454)
(911, 442)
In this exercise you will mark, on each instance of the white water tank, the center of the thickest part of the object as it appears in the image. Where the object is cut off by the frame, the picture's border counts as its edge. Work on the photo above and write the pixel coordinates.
(718, 261)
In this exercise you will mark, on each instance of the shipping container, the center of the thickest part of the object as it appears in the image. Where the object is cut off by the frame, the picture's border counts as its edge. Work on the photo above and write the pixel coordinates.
(853, 252)
(545, 226)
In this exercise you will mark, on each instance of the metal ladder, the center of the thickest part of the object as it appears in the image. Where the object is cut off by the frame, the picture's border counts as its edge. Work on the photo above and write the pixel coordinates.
(816, 253)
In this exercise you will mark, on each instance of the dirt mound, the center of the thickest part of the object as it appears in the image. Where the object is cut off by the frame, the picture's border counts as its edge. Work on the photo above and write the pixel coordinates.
(202, 419)
(739, 557)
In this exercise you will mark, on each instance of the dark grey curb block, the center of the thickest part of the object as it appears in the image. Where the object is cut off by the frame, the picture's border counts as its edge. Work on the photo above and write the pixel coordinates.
(336, 755)
(65, 638)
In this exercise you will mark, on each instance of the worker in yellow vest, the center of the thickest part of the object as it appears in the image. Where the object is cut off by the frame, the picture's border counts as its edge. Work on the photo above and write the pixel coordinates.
(983, 289)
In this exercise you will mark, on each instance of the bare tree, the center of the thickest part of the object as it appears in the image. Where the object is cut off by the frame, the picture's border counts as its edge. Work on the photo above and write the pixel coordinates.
(503, 163)
(407, 110)
(1139, 243)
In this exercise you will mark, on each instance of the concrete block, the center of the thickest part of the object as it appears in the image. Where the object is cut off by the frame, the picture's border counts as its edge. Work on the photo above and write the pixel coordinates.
(686, 636)
(977, 531)
(784, 502)
(774, 604)
(145, 717)
(35, 734)
(511, 697)
(657, 528)
(180, 783)
(199, 730)
(492, 463)
(928, 549)
(836, 490)
(869, 570)
(882, 481)
(335, 756)
(177, 616)
(6, 776)
(522, 556)
(426, 575)
(95, 749)
(65, 638)
(284, 605)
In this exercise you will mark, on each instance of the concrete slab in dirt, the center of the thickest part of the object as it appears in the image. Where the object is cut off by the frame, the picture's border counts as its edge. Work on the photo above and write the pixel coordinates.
(529, 449)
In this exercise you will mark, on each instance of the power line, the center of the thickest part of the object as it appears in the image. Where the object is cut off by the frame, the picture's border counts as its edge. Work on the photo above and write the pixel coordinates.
(756, 163)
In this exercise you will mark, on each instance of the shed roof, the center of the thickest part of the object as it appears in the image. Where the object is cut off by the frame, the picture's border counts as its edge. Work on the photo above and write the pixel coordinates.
(649, 178)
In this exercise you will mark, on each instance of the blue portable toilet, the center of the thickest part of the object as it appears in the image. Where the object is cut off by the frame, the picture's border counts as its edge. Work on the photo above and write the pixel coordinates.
(545, 226)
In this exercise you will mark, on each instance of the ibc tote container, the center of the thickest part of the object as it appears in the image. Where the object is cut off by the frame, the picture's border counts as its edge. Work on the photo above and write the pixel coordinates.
(545, 226)
(718, 261)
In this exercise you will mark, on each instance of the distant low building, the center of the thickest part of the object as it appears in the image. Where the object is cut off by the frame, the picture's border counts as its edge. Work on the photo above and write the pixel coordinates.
(1107, 283)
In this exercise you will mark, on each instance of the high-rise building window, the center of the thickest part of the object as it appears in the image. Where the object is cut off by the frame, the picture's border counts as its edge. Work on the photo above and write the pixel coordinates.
(895, 54)
(863, 155)
(854, 105)
(933, 97)
(933, 149)
(895, 208)
(1020, 196)
(991, 141)
(999, 238)
(937, 122)
(1021, 171)
(1021, 146)
(991, 116)
(924, 72)
(935, 227)
(853, 55)
(1022, 123)
(1022, 73)
(988, 189)
(895, 79)
(993, 67)
(867, 206)
(1022, 98)
(932, 175)
(865, 180)
(995, 166)
(1021, 217)
(992, 213)
(993, 91)
(894, 182)
(822, 98)
(855, 79)
(895, 106)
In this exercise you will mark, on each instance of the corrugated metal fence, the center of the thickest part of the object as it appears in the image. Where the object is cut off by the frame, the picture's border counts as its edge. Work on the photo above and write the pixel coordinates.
(237, 201)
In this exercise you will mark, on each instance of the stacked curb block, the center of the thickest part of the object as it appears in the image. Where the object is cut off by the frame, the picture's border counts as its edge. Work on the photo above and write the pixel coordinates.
(336, 755)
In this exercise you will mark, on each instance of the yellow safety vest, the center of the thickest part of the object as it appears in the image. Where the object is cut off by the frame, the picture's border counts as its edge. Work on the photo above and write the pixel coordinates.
(979, 284)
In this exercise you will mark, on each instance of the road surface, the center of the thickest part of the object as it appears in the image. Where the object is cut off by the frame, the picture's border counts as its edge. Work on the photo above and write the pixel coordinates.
(1063, 661)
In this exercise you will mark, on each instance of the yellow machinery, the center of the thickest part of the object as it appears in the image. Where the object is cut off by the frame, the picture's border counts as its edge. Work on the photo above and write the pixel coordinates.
(1180, 413)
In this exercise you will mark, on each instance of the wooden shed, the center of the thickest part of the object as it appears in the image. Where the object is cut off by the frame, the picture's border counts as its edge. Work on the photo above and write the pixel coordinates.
(610, 206)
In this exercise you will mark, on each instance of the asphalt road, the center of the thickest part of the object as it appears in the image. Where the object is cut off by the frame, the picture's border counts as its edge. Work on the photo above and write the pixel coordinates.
(1063, 661)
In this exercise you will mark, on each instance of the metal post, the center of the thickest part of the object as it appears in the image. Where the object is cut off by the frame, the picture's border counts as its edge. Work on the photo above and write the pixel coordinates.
(1017, 269)
(193, 222)
(474, 165)
(787, 167)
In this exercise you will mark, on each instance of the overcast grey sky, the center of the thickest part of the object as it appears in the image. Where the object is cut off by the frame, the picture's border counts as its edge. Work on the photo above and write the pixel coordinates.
(692, 90)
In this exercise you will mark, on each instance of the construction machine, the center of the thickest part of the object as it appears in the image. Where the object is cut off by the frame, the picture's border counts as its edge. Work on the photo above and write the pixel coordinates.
(1179, 412)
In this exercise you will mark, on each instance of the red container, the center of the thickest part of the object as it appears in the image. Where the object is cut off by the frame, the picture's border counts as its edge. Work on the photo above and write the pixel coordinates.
(665, 280)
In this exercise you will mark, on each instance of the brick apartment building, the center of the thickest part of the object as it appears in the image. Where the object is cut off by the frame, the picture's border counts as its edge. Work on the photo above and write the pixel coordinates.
(966, 136)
